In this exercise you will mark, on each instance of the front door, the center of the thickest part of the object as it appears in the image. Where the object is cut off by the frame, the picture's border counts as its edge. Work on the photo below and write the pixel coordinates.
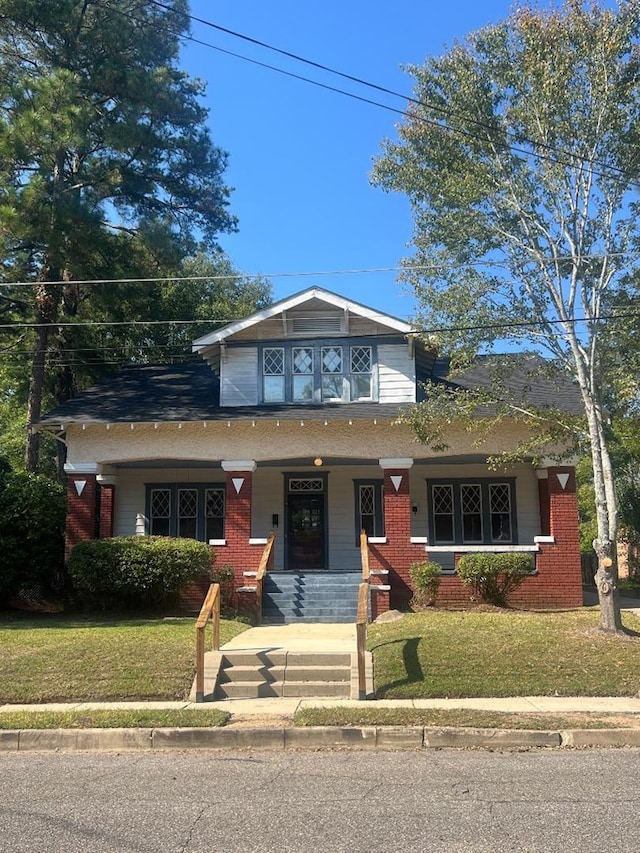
(306, 549)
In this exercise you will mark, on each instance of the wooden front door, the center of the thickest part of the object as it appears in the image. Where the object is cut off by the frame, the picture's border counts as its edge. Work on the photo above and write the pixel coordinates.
(306, 534)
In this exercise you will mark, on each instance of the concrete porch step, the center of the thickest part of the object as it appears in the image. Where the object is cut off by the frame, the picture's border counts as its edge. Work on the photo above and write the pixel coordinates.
(283, 690)
(244, 674)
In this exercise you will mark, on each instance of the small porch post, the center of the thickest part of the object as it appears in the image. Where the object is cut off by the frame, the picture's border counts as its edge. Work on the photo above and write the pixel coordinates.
(107, 484)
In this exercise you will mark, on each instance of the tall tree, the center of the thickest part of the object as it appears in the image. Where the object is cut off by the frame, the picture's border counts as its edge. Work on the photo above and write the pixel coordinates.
(102, 137)
(520, 158)
(151, 317)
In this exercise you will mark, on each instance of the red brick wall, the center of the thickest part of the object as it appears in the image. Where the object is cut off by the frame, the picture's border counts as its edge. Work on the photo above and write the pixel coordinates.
(81, 510)
(557, 582)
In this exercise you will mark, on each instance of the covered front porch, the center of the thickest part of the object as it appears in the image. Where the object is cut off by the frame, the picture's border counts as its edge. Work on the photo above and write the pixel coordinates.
(412, 509)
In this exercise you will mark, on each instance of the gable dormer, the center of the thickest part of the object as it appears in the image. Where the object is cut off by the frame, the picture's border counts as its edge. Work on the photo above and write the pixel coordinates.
(313, 348)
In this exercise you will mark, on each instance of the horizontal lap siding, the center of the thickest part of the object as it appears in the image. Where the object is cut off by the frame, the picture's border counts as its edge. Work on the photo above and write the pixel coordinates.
(239, 381)
(268, 499)
(396, 374)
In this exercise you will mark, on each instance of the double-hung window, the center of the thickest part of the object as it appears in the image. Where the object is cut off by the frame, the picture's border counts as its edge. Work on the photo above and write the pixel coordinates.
(302, 369)
(190, 511)
(273, 376)
(472, 512)
(369, 503)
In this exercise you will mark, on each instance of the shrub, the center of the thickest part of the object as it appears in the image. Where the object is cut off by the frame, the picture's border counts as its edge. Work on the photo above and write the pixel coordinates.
(32, 513)
(136, 571)
(494, 576)
(425, 581)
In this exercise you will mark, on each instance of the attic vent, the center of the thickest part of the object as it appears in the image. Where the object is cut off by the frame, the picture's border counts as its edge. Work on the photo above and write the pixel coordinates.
(316, 325)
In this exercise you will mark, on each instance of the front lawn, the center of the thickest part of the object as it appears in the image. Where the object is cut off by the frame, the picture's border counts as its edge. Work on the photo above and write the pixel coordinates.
(62, 659)
(439, 653)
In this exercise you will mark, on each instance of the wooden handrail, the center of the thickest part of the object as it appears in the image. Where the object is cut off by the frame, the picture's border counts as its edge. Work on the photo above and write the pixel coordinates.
(364, 556)
(362, 618)
(266, 564)
(210, 610)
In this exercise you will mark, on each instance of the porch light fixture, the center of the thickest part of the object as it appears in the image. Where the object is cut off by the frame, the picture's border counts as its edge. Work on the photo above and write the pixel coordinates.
(414, 509)
(318, 462)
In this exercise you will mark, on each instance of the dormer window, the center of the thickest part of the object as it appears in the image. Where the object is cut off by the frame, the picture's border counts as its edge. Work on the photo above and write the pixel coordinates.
(313, 373)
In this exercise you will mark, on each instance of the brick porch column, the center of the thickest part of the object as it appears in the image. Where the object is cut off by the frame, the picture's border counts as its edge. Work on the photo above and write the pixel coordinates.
(237, 526)
(559, 560)
(398, 553)
(81, 504)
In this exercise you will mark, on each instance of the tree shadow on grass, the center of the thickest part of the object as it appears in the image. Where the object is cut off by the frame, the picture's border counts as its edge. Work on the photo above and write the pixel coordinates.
(413, 671)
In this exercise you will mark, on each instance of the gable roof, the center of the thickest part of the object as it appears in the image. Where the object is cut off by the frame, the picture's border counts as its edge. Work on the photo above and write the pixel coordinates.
(295, 301)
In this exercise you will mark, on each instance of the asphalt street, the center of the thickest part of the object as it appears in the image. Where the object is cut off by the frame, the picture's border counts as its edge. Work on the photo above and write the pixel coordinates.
(441, 800)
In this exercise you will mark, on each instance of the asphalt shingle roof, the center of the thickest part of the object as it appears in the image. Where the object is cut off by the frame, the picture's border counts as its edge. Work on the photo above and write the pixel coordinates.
(191, 392)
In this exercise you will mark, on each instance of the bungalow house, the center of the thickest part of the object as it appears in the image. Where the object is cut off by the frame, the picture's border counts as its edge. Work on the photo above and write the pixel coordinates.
(288, 422)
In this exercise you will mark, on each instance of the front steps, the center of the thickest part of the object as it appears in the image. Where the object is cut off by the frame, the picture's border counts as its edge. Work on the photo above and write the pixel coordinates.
(283, 674)
(309, 597)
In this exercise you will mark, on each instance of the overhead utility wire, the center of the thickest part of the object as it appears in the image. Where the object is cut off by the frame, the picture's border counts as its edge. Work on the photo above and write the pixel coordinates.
(176, 279)
(510, 325)
(447, 114)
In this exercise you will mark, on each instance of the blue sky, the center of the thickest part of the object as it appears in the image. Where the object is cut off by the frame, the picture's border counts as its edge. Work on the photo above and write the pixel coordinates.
(300, 156)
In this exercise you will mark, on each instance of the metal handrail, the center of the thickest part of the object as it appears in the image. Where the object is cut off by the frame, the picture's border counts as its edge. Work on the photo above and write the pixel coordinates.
(210, 610)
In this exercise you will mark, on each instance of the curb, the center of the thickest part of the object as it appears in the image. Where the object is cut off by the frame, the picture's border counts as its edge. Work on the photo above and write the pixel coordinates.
(312, 738)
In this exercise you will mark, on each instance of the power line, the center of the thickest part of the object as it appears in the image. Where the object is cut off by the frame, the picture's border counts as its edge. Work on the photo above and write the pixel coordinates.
(404, 268)
(446, 113)
(515, 324)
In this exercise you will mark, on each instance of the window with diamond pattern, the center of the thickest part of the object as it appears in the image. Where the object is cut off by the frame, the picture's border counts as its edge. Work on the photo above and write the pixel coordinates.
(473, 513)
(312, 373)
(194, 511)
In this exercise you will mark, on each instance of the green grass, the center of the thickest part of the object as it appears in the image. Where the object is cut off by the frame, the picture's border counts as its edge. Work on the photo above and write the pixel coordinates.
(440, 653)
(62, 659)
(455, 717)
(185, 718)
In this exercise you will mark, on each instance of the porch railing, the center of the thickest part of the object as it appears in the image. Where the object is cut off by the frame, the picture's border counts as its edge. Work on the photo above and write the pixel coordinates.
(362, 616)
(266, 564)
(210, 610)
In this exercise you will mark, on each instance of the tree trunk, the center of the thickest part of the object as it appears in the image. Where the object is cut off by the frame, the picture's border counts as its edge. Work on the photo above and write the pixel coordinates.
(47, 298)
(606, 577)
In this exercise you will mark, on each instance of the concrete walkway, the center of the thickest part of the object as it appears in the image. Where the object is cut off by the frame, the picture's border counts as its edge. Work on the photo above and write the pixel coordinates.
(298, 637)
